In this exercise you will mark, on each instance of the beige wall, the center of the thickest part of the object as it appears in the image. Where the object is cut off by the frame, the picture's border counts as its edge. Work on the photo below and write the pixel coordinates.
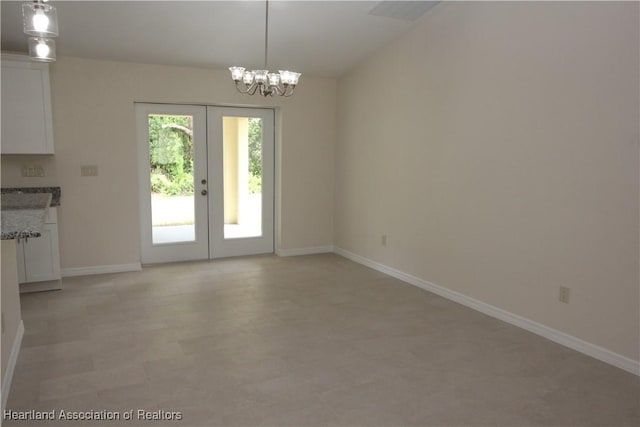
(11, 312)
(506, 162)
(94, 123)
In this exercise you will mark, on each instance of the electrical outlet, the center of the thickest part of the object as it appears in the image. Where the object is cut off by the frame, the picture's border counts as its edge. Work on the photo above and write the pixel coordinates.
(89, 170)
(564, 295)
(383, 240)
(31, 171)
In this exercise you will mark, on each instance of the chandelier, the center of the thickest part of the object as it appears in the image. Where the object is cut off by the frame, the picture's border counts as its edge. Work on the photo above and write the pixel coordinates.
(264, 82)
(40, 22)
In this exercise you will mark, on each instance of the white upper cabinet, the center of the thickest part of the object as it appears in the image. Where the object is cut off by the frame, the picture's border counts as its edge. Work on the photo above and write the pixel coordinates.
(26, 106)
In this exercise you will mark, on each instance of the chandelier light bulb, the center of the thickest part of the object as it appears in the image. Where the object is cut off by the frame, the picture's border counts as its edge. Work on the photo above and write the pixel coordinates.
(40, 21)
(42, 50)
(274, 79)
(247, 77)
(261, 76)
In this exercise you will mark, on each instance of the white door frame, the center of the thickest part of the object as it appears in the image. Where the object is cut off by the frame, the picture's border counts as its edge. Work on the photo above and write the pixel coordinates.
(182, 251)
(219, 246)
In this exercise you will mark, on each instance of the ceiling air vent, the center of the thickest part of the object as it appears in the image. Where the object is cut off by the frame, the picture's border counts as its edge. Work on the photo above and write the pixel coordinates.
(406, 10)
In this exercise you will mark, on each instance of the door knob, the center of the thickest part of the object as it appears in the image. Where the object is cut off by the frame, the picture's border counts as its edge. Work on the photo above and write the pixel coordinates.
(203, 182)
(203, 192)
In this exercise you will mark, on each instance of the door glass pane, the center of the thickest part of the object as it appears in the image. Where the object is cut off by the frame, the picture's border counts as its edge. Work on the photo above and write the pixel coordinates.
(242, 169)
(172, 183)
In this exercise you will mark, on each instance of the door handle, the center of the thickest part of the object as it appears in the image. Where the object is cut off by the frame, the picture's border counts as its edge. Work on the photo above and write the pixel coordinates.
(203, 192)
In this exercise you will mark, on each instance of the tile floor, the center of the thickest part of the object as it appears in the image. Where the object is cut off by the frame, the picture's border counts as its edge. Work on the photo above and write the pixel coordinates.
(303, 341)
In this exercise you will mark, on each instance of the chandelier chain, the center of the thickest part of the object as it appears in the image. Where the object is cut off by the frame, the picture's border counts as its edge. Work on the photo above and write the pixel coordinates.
(266, 32)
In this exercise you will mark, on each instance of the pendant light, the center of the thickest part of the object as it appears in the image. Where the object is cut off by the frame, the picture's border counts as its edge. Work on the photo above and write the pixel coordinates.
(264, 82)
(40, 21)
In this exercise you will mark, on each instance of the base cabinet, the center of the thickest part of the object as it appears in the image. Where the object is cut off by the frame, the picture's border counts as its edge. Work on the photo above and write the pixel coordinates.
(39, 257)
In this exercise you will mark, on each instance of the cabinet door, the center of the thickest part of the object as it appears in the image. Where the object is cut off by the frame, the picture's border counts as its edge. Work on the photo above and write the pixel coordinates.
(26, 107)
(22, 274)
(42, 256)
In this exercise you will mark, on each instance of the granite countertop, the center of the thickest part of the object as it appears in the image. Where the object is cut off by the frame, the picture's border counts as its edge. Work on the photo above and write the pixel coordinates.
(54, 191)
(23, 214)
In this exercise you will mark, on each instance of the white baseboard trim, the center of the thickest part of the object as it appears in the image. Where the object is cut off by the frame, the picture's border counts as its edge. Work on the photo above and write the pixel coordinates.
(554, 335)
(100, 269)
(13, 358)
(304, 251)
(49, 285)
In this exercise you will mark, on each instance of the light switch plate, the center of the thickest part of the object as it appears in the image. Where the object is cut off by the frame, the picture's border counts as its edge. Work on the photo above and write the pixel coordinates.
(31, 171)
(89, 170)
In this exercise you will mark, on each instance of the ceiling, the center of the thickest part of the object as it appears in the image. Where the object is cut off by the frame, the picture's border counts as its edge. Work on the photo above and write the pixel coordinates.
(319, 38)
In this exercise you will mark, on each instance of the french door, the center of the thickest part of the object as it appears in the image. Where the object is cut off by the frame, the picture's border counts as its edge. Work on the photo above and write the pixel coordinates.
(206, 179)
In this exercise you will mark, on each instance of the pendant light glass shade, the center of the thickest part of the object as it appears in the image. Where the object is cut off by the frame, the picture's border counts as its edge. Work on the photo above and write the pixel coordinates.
(289, 77)
(42, 49)
(39, 19)
(237, 73)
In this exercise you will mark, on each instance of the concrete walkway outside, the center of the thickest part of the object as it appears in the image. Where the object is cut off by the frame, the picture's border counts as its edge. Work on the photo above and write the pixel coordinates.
(173, 219)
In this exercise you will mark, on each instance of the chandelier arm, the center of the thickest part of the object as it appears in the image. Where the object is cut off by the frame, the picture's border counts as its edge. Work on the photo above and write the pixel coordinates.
(277, 90)
(266, 90)
(287, 95)
(239, 88)
(246, 89)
